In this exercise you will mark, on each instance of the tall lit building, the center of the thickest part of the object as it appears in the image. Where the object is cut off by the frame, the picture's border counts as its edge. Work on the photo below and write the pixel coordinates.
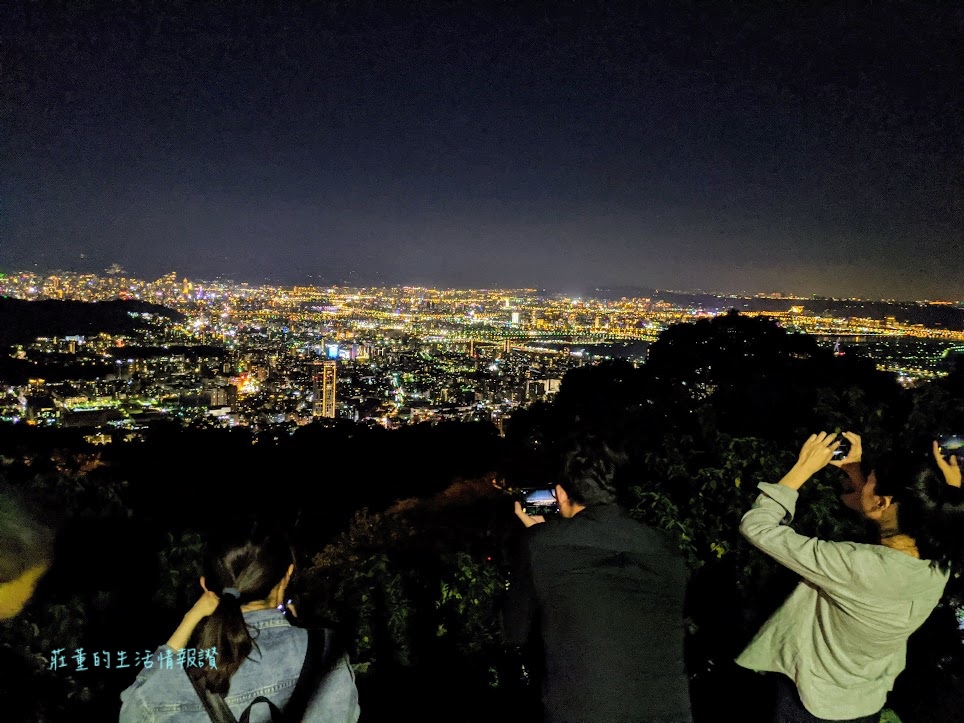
(323, 388)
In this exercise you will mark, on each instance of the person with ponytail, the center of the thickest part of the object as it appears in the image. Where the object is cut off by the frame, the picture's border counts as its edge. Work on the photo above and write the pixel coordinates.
(260, 658)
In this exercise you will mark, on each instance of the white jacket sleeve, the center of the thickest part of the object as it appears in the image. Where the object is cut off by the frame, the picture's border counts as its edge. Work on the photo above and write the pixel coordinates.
(828, 565)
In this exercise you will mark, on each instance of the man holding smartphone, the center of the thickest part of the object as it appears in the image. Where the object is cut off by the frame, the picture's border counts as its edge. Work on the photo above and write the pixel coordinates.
(608, 595)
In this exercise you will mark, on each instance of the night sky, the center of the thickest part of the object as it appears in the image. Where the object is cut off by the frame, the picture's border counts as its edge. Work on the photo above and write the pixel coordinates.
(744, 147)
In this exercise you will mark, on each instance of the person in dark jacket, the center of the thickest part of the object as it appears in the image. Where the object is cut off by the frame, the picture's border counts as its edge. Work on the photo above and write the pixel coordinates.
(606, 593)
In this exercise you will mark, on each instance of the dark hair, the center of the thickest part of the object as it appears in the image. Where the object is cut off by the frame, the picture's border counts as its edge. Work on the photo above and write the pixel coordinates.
(928, 509)
(26, 536)
(587, 470)
(253, 560)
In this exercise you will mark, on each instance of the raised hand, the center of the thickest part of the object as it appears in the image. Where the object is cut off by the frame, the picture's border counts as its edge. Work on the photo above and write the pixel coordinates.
(527, 520)
(951, 469)
(817, 452)
(856, 450)
(814, 456)
(205, 605)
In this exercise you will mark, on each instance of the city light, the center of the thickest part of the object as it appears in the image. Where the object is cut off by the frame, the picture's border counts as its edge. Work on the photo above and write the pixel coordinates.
(404, 355)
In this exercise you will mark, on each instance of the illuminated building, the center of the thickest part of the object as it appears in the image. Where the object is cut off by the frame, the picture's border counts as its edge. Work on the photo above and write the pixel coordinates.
(323, 386)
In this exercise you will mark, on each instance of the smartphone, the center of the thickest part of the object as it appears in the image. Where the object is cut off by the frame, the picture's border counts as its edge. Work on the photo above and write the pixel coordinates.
(843, 450)
(539, 502)
(951, 445)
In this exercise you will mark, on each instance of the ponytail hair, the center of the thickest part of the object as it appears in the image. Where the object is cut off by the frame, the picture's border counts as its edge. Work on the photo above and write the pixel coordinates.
(252, 561)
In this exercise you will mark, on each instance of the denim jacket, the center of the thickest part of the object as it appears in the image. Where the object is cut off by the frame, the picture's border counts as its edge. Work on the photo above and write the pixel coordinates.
(159, 695)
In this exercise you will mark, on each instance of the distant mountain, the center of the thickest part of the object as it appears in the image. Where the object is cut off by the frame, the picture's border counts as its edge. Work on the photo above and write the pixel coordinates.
(23, 321)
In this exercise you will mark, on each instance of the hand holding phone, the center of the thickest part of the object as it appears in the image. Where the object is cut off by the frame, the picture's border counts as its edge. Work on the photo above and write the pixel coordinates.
(849, 449)
(540, 501)
(527, 519)
(948, 450)
(951, 445)
(843, 450)
(535, 505)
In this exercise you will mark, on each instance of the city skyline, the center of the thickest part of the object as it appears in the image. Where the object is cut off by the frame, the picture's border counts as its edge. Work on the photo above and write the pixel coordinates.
(804, 150)
(587, 291)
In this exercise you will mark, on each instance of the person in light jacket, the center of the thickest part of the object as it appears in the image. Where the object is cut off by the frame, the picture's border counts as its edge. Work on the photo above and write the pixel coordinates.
(840, 639)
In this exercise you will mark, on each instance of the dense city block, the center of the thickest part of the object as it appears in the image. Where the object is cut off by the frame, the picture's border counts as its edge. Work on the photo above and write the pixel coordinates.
(218, 353)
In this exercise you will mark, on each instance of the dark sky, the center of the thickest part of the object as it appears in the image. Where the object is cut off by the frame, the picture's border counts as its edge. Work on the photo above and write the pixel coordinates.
(739, 146)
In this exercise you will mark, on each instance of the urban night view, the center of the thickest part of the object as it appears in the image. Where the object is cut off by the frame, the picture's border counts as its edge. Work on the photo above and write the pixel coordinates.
(566, 361)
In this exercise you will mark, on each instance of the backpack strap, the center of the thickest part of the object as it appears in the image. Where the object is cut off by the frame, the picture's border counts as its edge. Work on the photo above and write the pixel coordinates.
(219, 712)
(276, 715)
(321, 656)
